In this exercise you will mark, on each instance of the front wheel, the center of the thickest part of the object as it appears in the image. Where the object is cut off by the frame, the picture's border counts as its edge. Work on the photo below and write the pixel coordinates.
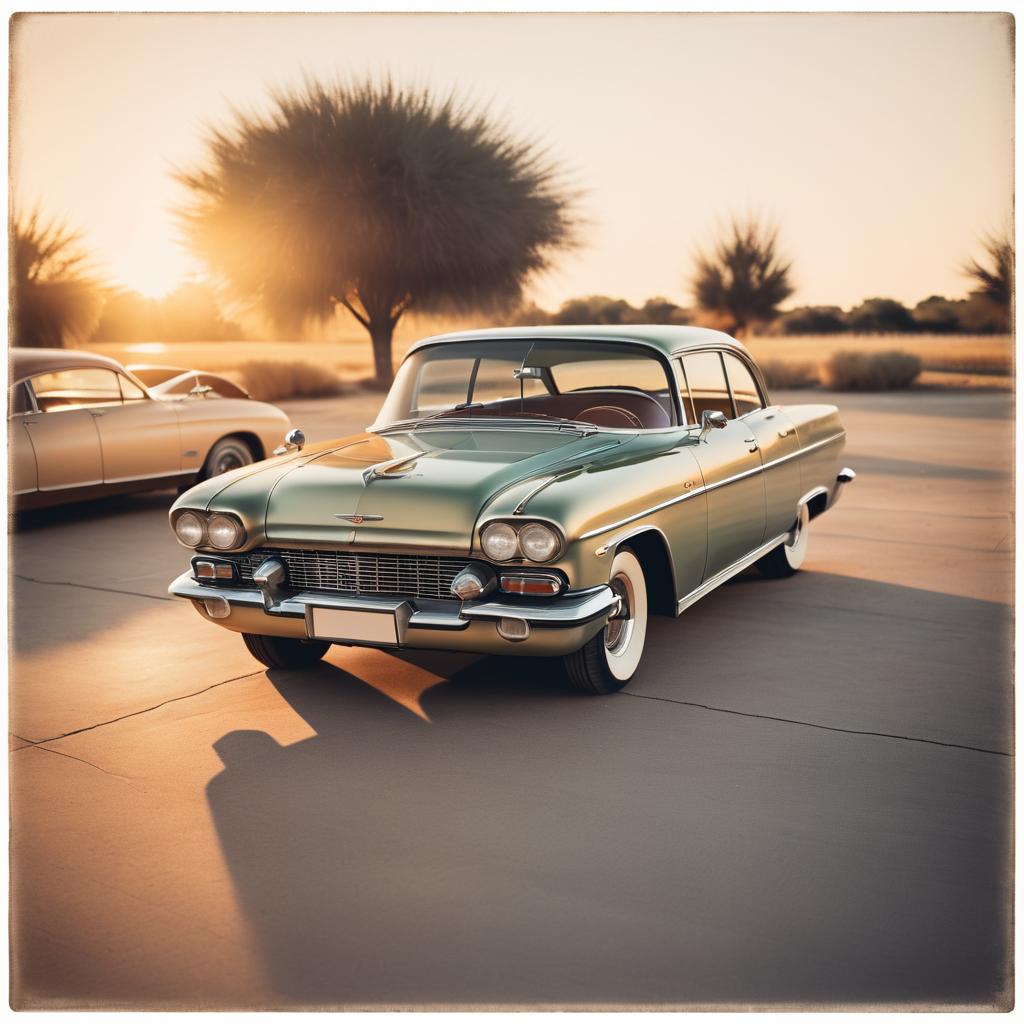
(283, 651)
(786, 559)
(606, 663)
(227, 454)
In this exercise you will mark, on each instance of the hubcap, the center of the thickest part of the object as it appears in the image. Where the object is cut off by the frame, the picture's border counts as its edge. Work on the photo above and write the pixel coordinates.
(227, 462)
(620, 629)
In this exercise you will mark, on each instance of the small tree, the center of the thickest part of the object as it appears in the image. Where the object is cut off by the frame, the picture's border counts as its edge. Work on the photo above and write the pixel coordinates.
(743, 279)
(377, 199)
(55, 296)
(994, 281)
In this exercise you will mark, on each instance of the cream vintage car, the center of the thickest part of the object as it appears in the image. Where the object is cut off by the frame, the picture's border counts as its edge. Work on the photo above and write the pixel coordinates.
(81, 426)
(528, 491)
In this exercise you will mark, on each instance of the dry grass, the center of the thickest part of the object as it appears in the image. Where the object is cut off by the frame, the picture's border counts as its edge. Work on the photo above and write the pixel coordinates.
(948, 360)
(871, 371)
(963, 353)
(272, 380)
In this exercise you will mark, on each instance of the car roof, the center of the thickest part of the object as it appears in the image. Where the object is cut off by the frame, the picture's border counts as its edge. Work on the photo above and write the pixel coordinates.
(28, 362)
(668, 339)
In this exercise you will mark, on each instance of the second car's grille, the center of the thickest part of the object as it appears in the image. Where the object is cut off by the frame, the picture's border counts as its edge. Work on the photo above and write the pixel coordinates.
(348, 572)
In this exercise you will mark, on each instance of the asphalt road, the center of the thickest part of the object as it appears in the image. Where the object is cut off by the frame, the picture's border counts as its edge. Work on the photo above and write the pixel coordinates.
(803, 799)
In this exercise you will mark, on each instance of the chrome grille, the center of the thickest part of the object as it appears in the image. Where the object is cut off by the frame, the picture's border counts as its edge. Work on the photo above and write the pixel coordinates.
(349, 572)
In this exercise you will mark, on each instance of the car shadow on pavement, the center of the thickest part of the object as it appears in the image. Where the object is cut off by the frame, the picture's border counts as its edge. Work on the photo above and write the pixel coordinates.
(523, 846)
(101, 508)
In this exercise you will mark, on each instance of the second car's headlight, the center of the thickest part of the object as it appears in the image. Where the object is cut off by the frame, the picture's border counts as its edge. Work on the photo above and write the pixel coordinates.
(189, 528)
(538, 542)
(224, 532)
(499, 542)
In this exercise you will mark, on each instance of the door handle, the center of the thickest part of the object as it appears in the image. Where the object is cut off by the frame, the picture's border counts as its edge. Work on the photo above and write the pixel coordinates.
(784, 433)
(752, 442)
(95, 412)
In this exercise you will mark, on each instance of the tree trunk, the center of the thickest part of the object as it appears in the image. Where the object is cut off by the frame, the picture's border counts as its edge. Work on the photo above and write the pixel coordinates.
(381, 331)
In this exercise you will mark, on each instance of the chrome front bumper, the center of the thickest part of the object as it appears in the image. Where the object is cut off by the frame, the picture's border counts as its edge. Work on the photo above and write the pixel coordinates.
(556, 625)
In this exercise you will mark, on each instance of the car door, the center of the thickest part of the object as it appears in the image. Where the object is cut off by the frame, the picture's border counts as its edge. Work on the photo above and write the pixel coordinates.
(730, 464)
(139, 436)
(777, 444)
(63, 431)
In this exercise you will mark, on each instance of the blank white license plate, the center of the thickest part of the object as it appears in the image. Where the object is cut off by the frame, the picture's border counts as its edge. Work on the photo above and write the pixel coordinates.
(341, 624)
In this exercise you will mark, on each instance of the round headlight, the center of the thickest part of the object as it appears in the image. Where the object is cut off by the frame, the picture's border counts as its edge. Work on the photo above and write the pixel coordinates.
(189, 528)
(224, 532)
(539, 542)
(499, 541)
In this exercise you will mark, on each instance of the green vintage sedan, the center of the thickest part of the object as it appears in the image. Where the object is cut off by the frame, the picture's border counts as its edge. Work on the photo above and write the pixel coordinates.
(524, 491)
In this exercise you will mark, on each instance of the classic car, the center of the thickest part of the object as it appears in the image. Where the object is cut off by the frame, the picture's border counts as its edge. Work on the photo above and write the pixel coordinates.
(82, 426)
(527, 491)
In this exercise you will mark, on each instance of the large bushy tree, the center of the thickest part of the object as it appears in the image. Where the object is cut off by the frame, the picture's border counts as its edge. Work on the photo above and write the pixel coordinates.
(55, 294)
(743, 279)
(376, 198)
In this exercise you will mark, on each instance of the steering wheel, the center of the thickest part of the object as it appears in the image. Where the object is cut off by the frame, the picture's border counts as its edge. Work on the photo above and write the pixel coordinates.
(639, 392)
(612, 411)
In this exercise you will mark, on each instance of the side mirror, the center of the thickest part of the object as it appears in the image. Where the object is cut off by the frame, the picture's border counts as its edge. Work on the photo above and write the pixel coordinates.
(528, 373)
(293, 442)
(200, 390)
(711, 419)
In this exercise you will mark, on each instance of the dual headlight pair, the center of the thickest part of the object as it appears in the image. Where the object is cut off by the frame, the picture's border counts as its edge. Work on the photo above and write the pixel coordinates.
(538, 542)
(216, 530)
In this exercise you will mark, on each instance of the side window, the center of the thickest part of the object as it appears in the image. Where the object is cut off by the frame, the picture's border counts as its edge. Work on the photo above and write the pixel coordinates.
(708, 388)
(689, 416)
(76, 388)
(18, 400)
(744, 387)
(130, 392)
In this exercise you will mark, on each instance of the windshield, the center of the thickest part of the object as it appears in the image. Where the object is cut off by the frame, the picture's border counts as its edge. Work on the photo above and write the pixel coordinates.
(614, 385)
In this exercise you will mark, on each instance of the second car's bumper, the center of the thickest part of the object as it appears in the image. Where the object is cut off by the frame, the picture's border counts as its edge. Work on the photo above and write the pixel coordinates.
(553, 627)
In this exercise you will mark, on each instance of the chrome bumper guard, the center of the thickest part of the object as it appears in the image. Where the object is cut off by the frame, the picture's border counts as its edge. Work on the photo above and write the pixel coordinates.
(569, 611)
(843, 477)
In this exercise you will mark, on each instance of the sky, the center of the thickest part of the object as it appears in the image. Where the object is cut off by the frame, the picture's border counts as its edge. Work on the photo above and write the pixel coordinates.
(881, 144)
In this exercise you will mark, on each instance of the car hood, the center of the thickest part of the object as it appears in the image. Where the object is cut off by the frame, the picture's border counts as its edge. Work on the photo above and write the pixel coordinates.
(416, 489)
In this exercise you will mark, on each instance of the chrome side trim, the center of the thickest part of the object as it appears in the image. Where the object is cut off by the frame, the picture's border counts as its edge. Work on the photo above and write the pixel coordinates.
(557, 471)
(149, 476)
(726, 574)
(711, 487)
(541, 484)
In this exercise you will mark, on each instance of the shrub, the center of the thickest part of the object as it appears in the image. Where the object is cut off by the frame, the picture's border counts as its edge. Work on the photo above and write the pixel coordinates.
(271, 381)
(811, 320)
(874, 316)
(879, 371)
(937, 315)
(782, 374)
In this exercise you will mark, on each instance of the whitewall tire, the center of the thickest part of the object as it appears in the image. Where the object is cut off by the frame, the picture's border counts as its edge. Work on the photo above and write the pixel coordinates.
(609, 660)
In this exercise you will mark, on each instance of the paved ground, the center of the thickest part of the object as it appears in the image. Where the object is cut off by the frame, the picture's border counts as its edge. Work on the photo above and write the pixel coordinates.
(804, 798)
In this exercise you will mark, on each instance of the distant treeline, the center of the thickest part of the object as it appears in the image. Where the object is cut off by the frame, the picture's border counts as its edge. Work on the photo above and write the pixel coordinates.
(975, 314)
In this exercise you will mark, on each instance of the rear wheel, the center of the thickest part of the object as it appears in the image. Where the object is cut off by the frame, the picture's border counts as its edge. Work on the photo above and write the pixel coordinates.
(606, 663)
(283, 651)
(787, 558)
(227, 454)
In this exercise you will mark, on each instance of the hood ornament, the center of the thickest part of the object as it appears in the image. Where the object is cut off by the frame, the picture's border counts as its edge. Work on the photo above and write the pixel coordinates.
(356, 519)
(389, 470)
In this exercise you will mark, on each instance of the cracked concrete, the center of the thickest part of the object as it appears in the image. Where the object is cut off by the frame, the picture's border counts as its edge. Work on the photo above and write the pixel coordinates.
(807, 802)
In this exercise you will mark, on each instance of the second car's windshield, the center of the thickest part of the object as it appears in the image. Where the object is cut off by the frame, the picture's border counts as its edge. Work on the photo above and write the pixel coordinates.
(614, 385)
